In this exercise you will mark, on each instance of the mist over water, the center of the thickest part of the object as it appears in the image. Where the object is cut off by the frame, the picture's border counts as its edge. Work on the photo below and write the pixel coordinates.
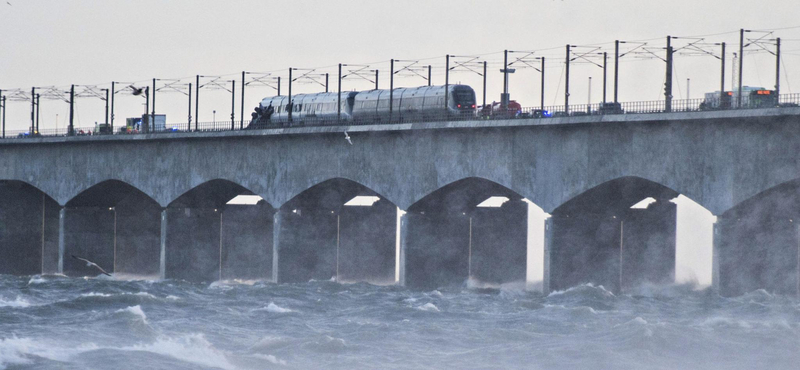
(68, 323)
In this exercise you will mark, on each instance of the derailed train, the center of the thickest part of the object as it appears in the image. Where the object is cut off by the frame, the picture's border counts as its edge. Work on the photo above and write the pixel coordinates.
(418, 103)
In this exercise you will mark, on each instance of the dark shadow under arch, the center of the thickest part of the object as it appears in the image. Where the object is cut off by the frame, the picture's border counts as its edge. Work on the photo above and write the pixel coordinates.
(320, 238)
(597, 238)
(28, 229)
(448, 239)
(115, 225)
(208, 239)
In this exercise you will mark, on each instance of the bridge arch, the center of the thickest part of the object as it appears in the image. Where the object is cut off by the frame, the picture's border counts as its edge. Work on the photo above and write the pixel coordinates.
(757, 243)
(472, 230)
(210, 236)
(620, 234)
(28, 229)
(337, 229)
(115, 225)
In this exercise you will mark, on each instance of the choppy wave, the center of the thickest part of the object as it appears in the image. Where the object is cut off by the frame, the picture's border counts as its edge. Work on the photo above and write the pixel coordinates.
(57, 322)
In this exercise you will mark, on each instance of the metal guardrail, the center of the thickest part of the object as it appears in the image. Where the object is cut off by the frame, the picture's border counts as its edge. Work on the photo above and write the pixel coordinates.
(641, 107)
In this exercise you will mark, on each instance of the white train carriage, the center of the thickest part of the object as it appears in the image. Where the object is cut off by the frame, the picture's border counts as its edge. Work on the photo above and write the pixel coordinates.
(418, 103)
(309, 107)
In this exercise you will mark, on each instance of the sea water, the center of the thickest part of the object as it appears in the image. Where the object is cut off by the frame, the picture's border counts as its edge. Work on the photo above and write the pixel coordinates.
(55, 322)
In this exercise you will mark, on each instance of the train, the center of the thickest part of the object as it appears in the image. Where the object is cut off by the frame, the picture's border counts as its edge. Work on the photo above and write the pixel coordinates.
(413, 103)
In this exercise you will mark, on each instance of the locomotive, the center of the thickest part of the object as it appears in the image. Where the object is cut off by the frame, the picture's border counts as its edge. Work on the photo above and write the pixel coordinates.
(417, 103)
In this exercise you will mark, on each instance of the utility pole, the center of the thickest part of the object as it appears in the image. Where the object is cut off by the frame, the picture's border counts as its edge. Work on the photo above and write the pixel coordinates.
(376, 79)
(616, 71)
(542, 97)
(189, 114)
(153, 120)
(391, 87)
(113, 92)
(722, 76)
(33, 109)
(668, 83)
(429, 74)
(505, 98)
(37, 111)
(446, 81)
(741, 62)
(688, 81)
(196, 102)
(326, 81)
(778, 70)
(484, 84)
(291, 105)
(339, 96)
(146, 117)
(233, 104)
(605, 75)
(566, 85)
(71, 129)
(37, 114)
(241, 125)
(3, 100)
(3, 111)
(279, 85)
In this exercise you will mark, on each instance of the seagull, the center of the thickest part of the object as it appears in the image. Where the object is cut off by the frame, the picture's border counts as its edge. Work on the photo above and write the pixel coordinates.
(9, 4)
(137, 90)
(347, 137)
(90, 264)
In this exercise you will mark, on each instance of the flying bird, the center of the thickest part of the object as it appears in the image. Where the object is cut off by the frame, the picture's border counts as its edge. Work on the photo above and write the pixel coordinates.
(347, 137)
(137, 90)
(9, 4)
(90, 264)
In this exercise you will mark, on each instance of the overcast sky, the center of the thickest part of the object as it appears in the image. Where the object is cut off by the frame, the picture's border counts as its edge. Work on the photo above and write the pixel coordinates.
(88, 42)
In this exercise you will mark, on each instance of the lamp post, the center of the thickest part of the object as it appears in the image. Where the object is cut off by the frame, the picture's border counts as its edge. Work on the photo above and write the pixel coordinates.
(214, 115)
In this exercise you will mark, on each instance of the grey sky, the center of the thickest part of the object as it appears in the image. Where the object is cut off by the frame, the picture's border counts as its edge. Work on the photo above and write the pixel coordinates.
(60, 42)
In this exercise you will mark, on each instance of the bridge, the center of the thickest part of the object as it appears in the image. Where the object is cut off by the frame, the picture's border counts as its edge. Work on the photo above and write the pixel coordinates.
(158, 204)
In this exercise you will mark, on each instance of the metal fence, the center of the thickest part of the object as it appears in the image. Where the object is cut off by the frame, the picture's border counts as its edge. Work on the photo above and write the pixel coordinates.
(641, 107)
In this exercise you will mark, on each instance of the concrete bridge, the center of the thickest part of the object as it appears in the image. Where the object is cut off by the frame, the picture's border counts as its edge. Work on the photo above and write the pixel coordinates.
(158, 204)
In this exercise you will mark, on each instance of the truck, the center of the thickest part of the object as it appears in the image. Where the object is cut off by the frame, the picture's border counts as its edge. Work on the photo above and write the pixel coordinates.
(752, 97)
(137, 124)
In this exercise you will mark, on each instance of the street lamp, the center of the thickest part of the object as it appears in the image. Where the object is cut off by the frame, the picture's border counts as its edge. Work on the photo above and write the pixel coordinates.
(214, 114)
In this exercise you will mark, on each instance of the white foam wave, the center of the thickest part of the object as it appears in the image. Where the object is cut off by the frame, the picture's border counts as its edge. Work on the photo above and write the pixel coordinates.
(134, 310)
(430, 307)
(586, 286)
(192, 348)
(95, 294)
(272, 307)
(18, 302)
(270, 358)
(18, 351)
(37, 279)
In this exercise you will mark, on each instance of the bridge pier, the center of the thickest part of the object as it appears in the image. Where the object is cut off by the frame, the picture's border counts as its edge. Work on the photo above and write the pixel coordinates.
(449, 246)
(28, 230)
(618, 250)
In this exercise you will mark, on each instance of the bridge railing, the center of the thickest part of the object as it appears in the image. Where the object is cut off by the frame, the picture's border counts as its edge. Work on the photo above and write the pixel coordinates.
(640, 107)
